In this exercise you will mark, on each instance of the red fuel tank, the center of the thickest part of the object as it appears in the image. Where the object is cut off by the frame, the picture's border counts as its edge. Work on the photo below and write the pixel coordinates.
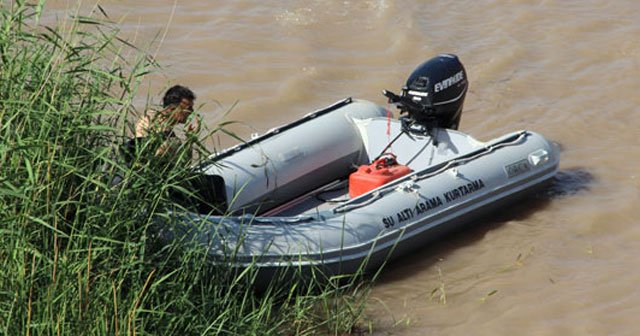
(380, 172)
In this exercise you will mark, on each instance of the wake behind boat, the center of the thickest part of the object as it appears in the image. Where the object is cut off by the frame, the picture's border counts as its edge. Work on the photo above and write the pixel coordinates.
(346, 187)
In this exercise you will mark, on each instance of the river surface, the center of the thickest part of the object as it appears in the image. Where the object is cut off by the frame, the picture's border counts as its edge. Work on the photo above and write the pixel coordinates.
(563, 263)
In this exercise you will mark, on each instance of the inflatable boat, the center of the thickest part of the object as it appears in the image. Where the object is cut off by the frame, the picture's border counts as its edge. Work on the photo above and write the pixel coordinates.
(347, 187)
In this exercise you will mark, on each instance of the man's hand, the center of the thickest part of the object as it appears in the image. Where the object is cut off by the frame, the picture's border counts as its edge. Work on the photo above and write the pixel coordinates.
(194, 124)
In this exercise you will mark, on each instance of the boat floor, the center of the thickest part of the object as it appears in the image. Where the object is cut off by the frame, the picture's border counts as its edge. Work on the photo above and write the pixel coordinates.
(314, 202)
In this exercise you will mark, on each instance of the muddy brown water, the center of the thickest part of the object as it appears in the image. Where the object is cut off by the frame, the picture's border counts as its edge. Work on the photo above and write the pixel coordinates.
(562, 263)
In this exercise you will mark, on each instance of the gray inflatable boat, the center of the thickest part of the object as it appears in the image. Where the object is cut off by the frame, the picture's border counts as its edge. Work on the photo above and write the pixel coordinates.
(288, 196)
(289, 199)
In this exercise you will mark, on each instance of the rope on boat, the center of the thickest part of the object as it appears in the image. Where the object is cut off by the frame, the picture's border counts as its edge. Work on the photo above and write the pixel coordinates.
(417, 177)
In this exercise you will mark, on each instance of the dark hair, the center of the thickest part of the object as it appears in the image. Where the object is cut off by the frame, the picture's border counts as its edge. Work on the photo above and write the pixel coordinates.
(175, 94)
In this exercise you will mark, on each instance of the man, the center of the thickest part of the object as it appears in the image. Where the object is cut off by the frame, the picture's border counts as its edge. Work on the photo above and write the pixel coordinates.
(154, 134)
(154, 131)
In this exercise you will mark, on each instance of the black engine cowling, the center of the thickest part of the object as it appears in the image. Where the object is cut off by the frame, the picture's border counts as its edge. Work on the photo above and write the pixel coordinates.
(436, 89)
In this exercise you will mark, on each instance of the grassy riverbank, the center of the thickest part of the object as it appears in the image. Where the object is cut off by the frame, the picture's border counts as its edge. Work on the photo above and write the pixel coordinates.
(76, 257)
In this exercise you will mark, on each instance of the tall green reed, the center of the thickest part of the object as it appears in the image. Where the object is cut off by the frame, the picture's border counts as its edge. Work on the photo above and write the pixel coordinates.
(76, 252)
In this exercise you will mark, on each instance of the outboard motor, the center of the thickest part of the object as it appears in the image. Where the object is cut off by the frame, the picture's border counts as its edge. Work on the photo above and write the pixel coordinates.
(433, 95)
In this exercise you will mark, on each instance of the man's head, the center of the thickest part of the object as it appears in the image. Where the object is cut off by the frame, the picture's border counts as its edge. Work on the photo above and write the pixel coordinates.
(179, 100)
